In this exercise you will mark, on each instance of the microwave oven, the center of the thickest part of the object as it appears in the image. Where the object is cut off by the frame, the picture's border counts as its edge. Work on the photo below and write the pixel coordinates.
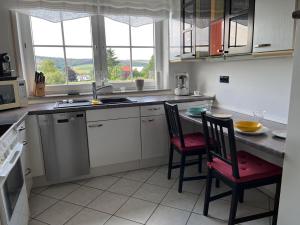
(13, 94)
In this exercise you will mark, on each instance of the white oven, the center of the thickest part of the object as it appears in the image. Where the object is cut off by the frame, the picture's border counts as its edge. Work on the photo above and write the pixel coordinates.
(14, 208)
(12, 94)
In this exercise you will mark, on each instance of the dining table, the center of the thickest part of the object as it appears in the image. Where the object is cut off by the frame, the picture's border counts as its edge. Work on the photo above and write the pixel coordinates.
(266, 142)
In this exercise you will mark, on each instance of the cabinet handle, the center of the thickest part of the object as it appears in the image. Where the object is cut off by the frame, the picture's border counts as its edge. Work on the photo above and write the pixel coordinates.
(21, 129)
(220, 50)
(95, 125)
(24, 143)
(262, 45)
(151, 120)
(27, 172)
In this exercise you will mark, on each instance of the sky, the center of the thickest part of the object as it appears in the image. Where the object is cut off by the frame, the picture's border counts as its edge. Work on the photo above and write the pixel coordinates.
(78, 32)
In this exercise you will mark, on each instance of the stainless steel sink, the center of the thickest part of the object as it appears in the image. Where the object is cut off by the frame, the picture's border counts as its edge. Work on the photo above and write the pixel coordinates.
(115, 100)
(73, 103)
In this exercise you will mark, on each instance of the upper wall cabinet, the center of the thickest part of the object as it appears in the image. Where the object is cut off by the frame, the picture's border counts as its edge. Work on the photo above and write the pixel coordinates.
(174, 32)
(274, 26)
(216, 28)
(239, 19)
(188, 23)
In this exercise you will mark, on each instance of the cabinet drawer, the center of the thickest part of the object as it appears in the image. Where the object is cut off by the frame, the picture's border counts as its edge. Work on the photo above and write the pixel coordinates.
(152, 110)
(186, 105)
(111, 114)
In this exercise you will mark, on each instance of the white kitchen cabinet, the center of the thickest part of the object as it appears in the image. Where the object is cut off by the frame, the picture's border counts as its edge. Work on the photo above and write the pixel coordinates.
(155, 137)
(33, 139)
(152, 110)
(273, 25)
(114, 141)
(112, 114)
(25, 157)
(174, 32)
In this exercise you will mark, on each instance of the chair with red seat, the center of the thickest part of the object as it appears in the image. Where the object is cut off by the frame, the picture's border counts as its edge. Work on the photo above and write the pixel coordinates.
(186, 145)
(239, 170)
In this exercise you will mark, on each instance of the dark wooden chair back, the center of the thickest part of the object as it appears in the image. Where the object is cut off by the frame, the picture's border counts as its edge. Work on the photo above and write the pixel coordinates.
(220, 140)
(173, 120)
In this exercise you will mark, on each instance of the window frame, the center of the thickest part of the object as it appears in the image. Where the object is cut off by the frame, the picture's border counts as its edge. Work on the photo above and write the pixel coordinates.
(131, 47)
(99, 57)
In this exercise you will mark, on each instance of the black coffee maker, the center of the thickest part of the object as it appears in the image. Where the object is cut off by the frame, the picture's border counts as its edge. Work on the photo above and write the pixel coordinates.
(5, 69)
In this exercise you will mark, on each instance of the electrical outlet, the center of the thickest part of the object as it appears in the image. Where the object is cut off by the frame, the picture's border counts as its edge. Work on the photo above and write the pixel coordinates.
(224, 79)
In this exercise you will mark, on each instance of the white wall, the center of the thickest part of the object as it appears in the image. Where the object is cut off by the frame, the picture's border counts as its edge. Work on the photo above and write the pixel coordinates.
(260, 84)
(289, 211)
(6, 37)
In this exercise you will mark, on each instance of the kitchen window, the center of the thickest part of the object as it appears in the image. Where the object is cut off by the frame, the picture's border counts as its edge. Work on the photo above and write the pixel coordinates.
(131, 56)
(74, 53)
(65, 56)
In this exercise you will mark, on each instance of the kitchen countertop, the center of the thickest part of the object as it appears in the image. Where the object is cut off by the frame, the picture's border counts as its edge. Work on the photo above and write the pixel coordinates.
(14, 115)
(266, 142)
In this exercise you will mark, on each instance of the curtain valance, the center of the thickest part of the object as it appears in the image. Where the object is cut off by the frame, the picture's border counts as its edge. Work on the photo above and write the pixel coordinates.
(147, 11)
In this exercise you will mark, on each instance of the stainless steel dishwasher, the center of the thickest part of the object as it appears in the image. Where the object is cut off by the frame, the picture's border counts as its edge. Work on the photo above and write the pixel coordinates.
(64, 145)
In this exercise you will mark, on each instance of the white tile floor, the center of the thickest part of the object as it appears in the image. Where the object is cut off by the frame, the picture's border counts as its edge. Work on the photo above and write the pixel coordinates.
(137, 197)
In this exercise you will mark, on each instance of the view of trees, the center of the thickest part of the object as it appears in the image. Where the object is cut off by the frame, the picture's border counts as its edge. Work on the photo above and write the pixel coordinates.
(83, 70)
(52, 73)
(116, 71)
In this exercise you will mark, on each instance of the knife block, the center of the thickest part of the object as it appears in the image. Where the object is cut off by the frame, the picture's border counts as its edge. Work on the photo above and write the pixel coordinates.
(39, 90)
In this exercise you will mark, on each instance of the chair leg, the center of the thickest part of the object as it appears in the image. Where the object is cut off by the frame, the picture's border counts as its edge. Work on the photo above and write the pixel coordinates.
(181, 175)
(234, 203)
(170, 161)
(241, 198)
(276, 203)
(200, 164)
(207, 192)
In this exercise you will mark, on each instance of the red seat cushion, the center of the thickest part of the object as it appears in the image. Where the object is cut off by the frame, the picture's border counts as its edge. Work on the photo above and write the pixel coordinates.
(195, 141)
(250, 168)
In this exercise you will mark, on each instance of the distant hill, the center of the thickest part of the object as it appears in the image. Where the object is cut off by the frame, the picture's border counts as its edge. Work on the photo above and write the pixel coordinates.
(59, 62)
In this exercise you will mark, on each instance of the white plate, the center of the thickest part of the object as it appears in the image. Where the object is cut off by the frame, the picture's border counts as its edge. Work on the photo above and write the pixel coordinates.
(193, 115)
(222, 115)
(280, 133)
(197, 95)
(262, 130)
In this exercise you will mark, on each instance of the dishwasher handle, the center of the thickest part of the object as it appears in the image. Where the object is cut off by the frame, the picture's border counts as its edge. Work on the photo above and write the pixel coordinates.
(95, 125)
(63, 121)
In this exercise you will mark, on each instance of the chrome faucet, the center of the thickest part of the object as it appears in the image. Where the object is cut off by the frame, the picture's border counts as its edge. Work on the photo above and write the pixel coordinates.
(104, 88)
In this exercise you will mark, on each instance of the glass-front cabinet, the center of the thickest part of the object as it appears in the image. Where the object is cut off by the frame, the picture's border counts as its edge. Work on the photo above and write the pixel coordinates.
(211, 28)
(239, 18)
(188, 22)
(175, 32)
(216, 28)
(202, 27)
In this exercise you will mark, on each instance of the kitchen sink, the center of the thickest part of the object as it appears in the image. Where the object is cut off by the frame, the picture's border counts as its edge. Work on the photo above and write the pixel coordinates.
(116, 100)
(73, 103)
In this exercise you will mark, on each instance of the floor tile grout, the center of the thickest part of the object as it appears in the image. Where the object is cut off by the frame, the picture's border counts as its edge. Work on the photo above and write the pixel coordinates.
(131, 196)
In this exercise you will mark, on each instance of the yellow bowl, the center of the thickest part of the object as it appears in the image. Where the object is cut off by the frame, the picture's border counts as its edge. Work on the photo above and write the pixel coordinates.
(248, 126)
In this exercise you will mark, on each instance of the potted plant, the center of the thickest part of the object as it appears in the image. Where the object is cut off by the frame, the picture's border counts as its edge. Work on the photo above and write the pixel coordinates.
(139, 82)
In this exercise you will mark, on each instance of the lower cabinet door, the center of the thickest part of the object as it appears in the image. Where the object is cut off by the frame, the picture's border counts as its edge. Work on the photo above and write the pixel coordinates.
(114, 141)
(155, 137)
(26, 168)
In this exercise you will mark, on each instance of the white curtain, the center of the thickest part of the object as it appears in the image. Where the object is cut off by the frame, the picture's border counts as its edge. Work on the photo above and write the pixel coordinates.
(147, 11)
